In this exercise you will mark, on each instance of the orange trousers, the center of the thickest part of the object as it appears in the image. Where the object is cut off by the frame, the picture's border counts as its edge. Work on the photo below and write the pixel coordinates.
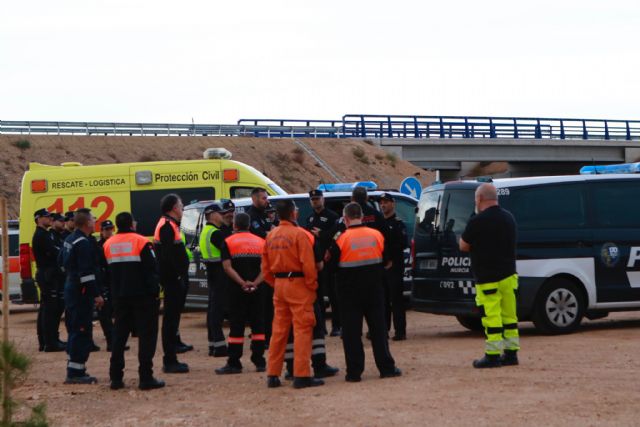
(292, 303)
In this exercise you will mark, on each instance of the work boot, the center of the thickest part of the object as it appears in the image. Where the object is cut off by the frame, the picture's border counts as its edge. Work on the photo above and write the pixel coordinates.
(399, 337)
(335, 332)
(488, 361)
(175, 368)
(325, 371)
(304, 382)
(228, 369)
(218, 352)
(261, 368)
(509, 358)
(150, 384)
(116, 384)
(395, 373)
(84, 379)
(183, 348)
(54, 348)
(352, 379)
(273, 382)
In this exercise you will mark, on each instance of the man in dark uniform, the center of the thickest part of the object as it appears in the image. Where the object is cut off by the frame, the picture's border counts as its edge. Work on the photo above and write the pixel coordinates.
(241, 258)
(394, 276)
(81, 293)
(322, 224)
(370, 216)
(57, 234)
(45, 254)
(219, 217)
(134, 290)
(69, 225)
(174, 266)
(105, 314)
(261, 225)
(361, 255)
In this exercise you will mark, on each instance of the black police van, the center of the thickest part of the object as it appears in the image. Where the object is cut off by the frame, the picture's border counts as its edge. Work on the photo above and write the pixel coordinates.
(578, 248)
(193, 221)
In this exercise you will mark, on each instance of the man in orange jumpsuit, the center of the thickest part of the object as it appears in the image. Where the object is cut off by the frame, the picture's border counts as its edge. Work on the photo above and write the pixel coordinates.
(289, 266)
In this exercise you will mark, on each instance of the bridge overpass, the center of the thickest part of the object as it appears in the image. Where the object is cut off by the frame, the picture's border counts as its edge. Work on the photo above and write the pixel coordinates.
(452, 144)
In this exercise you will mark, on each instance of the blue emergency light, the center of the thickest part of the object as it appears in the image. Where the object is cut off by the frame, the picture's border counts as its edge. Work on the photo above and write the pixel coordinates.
(347, 186)
(606, 169)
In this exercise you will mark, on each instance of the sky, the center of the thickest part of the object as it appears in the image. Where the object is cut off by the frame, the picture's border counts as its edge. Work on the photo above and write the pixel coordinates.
(217, 62)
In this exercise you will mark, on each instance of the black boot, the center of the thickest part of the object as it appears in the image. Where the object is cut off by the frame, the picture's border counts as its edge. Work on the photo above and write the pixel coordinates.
(325, 371)
(509, 358)
(175, 368)
(273, 382)
(116, 384)
(304, 382)
(150, 384)
(488, 361)
(84, 379)
(229, 369)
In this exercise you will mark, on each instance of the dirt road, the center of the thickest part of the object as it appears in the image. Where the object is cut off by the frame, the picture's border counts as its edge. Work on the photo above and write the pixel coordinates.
(587, 378)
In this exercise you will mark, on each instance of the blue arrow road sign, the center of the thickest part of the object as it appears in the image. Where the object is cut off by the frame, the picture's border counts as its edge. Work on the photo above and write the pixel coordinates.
(411, 186)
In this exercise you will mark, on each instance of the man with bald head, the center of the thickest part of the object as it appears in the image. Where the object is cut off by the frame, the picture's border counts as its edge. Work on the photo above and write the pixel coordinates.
(490, 237)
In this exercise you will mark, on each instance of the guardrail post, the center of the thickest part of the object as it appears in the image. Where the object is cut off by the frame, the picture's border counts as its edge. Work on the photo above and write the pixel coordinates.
(441, 128)
(515, 128)
(492, 129)
(585, 134)
(466, 127)
(606, 130)
(363, 128)
(538, 131)
(628, 132)
(415, 127)
(562, 129)
(389, 124)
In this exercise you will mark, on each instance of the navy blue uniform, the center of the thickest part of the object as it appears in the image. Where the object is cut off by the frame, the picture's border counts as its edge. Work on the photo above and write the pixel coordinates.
(45, 253)
(396, 243)
(80, 290)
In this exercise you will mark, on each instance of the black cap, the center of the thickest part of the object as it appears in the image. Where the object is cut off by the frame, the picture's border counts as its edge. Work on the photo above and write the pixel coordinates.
(104, 225)
(57, 217)
(41, 213)
(69, 216)
(213, 207)
(227, 205)
(315, 193)
(387, 196)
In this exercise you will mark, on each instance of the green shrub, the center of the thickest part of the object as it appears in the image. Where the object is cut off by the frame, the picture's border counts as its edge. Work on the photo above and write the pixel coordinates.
(22, 144)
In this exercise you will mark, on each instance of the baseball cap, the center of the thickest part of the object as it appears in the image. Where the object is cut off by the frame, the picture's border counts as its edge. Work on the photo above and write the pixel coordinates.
(41, 213)
(69, 216)
(57, 217)
(315, 193)
(387, 196)
(104, 225)
(227, 205)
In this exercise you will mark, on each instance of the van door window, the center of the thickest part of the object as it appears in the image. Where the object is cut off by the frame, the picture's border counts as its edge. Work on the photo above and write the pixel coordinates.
(616, 204)
(145, 205)
(548, 206)
(458, 207)
(427, 217)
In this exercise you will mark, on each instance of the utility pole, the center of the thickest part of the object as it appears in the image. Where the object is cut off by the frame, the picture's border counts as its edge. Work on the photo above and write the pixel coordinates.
(4, 226)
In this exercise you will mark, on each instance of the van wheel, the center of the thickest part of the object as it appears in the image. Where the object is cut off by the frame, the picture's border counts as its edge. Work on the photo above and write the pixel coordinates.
(470, 322)
(559, 307)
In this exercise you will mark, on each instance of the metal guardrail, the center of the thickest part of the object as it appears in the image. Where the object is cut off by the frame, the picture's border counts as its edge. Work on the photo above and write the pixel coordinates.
(355, 126)
(381, 126)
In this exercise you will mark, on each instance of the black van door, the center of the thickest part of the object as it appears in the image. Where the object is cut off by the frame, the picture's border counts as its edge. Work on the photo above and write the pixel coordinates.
(616, 239)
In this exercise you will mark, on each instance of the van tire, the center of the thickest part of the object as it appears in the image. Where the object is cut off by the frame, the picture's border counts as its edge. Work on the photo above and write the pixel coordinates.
(471, 323)
(559, 307)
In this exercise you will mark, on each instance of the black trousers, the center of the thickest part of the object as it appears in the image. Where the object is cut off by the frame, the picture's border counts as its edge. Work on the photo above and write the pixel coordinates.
(49, 311)
(394, 300)
(218, 302)
(173, 305)
(327, 279)
(361, 297)
(105, 316)
(184, 302)
(142, 313)
(78, 318)
(267, 301)
(245, 307)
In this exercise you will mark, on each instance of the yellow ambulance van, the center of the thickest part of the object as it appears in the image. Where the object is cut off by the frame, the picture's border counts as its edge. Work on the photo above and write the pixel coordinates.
(134, 187)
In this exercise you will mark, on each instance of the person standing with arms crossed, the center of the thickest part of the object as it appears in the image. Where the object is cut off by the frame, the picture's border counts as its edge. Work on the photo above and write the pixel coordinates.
(289, 266)
(174, 266)
(490, 237)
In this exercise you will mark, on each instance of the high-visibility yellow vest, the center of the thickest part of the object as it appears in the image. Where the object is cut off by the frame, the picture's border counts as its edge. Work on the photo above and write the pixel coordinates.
(208, 251)
(184, 240)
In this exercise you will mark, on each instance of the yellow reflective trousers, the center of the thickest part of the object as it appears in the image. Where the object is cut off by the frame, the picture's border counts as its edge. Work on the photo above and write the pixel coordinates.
(497, 301)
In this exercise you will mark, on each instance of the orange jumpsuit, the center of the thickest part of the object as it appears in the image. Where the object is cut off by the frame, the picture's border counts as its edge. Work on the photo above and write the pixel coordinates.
(289, 266)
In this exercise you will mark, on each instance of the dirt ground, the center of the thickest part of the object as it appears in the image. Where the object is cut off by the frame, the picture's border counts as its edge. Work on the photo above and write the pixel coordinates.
(280, 159)
(589, 378)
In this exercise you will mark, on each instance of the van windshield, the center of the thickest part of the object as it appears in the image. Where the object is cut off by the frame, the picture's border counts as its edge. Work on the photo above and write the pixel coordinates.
(427, 217)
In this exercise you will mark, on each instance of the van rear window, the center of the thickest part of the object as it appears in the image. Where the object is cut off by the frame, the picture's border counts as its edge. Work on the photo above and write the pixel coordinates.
(548, 206)
(616, 204)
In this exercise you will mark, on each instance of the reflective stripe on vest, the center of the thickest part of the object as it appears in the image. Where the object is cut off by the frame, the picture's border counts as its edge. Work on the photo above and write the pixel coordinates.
(209, 252)
(360, 246)
(124, 247)
(177, 238)
(245, 245)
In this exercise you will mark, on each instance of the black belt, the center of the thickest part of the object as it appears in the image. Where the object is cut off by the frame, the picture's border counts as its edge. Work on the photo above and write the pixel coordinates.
(289, 274)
